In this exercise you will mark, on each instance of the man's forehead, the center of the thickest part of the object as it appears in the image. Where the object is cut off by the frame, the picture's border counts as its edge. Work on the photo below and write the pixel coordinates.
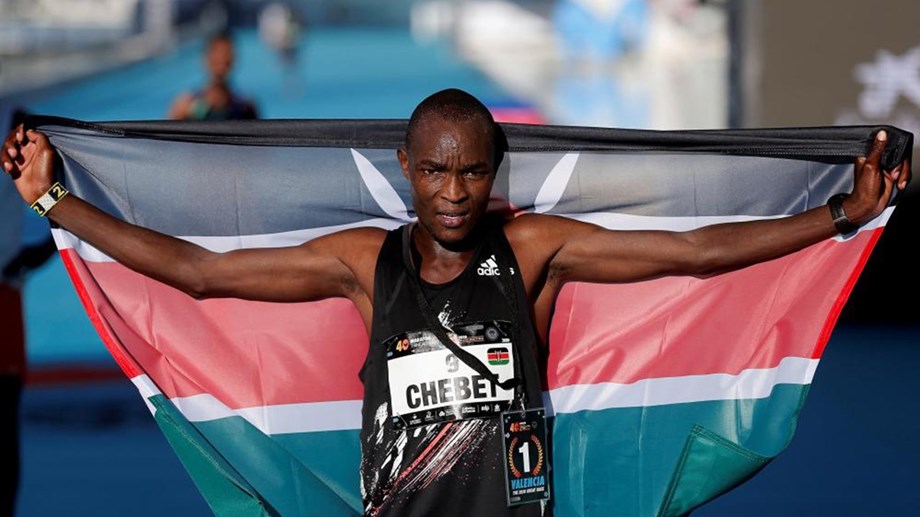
(434, 119)
(435, 130)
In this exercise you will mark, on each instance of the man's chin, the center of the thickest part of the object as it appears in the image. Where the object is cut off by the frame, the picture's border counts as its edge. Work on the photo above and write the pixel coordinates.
(459, 237)
(451, 237)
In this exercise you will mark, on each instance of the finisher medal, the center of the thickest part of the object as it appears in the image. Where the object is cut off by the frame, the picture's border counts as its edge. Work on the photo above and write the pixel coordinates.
(525, 453)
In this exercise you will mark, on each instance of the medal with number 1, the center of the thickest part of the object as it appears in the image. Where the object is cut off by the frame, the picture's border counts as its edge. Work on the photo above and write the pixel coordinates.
(526, 451)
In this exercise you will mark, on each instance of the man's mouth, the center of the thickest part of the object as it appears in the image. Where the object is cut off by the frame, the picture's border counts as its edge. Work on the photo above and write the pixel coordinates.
(452, 219)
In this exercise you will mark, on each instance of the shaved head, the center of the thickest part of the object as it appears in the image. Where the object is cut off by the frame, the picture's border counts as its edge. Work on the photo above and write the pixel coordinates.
(450, 160)
(452, 105)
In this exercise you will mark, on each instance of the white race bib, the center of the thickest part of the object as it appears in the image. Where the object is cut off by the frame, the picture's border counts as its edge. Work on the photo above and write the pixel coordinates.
(429, 384)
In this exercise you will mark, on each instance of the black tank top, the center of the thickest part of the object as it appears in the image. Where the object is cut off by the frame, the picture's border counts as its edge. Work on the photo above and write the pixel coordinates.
(430, 437)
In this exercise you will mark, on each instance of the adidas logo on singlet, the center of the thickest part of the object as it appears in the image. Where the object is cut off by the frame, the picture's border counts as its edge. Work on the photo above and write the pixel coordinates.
(489, 268)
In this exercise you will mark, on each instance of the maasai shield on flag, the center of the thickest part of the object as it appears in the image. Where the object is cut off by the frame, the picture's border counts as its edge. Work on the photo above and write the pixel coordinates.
(664, 393)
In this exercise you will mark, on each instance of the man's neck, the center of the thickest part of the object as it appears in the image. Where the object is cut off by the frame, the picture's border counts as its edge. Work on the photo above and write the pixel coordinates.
(442, 263)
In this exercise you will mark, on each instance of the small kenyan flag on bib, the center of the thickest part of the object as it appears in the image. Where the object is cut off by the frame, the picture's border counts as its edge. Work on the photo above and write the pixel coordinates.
(498, 356)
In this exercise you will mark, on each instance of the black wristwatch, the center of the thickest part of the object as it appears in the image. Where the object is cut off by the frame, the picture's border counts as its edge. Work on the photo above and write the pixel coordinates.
(843, 223)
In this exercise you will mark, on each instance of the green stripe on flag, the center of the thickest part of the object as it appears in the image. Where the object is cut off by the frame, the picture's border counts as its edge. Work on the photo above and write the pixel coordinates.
(302, 474)
(225, 491)
(620, 462)
(709, 466)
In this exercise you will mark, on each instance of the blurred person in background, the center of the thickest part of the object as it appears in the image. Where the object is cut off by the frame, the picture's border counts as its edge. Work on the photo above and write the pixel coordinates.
(15, 261)
(281, 29)
(216, 101)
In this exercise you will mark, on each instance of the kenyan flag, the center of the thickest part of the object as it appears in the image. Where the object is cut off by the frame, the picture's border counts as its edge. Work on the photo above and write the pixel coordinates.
(718, 368)
(498, 356)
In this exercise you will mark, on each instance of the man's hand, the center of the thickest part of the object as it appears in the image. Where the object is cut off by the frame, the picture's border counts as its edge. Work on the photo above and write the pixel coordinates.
(28, 158)
(872, 187)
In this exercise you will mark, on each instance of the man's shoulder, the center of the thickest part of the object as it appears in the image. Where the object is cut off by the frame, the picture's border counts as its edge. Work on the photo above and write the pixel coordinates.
(353, 246)
(529, 233)
(362, 237)
(357, 248)
(530, 225)
(535, 238)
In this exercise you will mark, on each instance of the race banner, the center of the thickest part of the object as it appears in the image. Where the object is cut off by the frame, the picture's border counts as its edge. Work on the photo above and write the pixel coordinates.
(660, 394)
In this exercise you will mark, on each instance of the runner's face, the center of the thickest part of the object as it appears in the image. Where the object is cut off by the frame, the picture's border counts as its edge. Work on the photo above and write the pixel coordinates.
(450, 167)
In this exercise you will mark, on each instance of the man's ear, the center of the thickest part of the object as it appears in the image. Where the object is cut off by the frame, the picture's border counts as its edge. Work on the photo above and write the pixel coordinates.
(403, 157)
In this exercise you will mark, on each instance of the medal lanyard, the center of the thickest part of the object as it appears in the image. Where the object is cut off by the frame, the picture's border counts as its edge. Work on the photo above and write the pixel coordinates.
(438, 329)
(506, 286)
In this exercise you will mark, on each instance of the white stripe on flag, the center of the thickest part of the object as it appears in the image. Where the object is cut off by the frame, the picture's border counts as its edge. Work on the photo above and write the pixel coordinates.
(613, 221)
(755, 383)
(381, 189)
(278, 419)
(147, 388)
(554, 185)
(65, 239)
(220, 244)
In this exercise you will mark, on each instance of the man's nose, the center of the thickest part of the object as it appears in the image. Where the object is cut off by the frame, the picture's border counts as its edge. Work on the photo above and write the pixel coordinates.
(454, 189)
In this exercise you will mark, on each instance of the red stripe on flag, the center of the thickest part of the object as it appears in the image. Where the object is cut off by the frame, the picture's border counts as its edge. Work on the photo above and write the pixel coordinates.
(89, 292)
(498, 354)
(678, 326)
(845, 293)
(244, 353)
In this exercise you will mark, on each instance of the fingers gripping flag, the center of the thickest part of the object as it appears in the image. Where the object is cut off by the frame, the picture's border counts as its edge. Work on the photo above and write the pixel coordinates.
(663, 393)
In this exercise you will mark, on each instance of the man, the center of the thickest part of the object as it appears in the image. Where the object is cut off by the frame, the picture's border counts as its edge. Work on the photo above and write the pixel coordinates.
(216, 101)
(455, 271)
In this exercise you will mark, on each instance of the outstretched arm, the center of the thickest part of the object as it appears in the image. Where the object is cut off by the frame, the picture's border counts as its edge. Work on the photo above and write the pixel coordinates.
(576, 251)
(337, 265)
